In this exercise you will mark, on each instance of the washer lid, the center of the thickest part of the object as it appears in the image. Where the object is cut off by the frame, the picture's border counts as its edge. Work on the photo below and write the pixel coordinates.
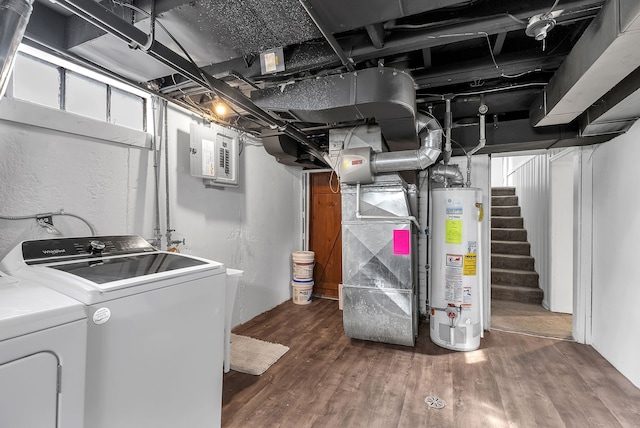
(106, 270)
(26, 308)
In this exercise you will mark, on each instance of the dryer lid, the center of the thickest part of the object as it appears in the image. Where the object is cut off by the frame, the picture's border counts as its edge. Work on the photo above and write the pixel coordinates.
(27, 308)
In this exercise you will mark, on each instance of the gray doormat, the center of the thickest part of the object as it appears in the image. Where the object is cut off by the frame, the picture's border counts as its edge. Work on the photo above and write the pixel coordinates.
(254, 356)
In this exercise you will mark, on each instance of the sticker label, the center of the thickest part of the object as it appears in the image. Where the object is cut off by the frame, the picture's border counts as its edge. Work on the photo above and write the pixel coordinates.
(270, 62)
(466, 296)
(453, 279)
(453, 232)
(469, 265)
(101, 316)
(208, 157)
(401, 242)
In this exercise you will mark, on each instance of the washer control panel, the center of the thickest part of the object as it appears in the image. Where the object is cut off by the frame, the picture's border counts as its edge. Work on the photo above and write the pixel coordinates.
(48, 250)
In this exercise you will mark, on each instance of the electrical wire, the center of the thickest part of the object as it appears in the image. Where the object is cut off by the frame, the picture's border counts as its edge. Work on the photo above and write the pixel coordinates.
(59, 213)
(552, 7)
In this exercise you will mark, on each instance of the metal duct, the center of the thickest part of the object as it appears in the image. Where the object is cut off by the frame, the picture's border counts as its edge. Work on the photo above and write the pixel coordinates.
(430, 133)
(386, 94)
(379, 278)
(14, 15)
(616, 111)
(449, 175)
(605, 54)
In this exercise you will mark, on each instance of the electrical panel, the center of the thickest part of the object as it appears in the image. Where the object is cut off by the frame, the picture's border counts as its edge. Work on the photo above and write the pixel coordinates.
(214, 155)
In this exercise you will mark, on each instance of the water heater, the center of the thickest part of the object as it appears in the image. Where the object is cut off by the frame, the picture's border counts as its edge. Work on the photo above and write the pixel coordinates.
(455, 287)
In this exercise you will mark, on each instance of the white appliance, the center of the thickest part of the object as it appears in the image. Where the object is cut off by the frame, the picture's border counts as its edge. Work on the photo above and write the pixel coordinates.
(155, 329)
(455, 286)
(233, 281)
(42, 357)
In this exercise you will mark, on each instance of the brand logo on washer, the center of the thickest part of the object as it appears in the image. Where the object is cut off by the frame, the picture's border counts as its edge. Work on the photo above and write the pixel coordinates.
(54, 252)
(101, 316)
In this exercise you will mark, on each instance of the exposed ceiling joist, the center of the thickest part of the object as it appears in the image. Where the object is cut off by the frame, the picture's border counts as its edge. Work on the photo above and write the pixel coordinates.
(604, 55)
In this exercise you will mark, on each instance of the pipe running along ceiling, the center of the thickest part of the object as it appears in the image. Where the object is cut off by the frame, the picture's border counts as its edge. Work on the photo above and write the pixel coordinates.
(377, 62)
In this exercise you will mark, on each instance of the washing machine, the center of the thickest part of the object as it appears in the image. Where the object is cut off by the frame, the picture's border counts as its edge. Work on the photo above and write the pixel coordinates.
(42, 357)
(155, 327)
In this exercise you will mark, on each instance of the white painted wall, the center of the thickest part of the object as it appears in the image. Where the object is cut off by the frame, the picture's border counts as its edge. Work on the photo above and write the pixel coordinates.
(498, 175)
(513, 163)
(616, 233)
(253, 227)
(561, 233)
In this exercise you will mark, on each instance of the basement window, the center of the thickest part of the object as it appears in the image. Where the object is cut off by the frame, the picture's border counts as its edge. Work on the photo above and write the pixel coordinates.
(85, 96)
(126, 109)
(36, 81)
(55, 83)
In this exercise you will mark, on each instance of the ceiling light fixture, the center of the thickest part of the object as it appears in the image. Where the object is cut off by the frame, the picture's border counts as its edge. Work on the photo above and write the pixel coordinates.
(540, 25)
(220, 108)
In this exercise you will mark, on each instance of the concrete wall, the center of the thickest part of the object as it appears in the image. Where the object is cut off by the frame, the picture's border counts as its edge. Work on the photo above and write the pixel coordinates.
(253, 227)
(616, 232)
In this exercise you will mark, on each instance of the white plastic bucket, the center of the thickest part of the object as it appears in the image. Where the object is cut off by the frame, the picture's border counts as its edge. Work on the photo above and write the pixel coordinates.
(302, 292)
(303, 263)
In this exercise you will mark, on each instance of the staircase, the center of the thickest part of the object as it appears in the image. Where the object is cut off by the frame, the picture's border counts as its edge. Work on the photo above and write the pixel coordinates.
(513, 276)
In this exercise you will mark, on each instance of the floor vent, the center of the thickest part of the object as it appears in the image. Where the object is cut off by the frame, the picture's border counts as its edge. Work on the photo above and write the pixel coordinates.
(435, 402)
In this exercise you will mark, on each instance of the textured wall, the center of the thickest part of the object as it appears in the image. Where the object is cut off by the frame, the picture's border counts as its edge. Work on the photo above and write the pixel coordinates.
(253, 227)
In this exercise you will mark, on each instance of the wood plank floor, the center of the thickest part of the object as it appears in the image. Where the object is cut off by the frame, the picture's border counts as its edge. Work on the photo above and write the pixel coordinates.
(329, 380)
(530, 318)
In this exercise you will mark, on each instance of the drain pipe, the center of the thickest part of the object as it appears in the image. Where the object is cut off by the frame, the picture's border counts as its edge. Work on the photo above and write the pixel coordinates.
(170, 242)
(447, 124)
(157, 146)
(430, 133)
(481, 141)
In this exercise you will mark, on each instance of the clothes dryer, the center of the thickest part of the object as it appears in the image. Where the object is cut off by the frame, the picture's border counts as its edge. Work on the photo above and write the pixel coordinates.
(42, 357)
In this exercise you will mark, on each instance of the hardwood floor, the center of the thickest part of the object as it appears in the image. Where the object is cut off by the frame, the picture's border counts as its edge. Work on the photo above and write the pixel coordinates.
(530, 318)
(329, 380)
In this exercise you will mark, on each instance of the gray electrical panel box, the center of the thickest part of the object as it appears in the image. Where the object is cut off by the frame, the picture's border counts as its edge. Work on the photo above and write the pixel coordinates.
(213, 155)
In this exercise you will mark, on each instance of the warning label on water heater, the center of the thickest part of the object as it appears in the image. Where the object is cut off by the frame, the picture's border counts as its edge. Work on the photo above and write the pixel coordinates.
(453, 292)
(453, 222)
(469, 265)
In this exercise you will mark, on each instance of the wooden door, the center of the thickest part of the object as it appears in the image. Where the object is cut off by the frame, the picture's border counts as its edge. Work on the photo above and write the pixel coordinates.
(325, 233)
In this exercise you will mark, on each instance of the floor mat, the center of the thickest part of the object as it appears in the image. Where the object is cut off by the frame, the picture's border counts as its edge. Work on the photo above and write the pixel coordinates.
(254, 356)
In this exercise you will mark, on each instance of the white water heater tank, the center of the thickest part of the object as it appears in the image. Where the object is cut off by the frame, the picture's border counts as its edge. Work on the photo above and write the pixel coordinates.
(455, 286)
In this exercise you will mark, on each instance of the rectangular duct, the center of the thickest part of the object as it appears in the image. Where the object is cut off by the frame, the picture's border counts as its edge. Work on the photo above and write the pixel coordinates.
(616, 111)
(606, 53)
(379, 280)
